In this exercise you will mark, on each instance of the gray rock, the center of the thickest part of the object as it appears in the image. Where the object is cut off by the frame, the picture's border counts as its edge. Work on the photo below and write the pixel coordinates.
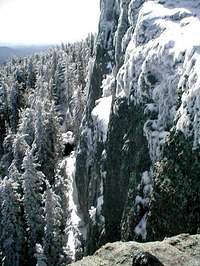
(182, 250)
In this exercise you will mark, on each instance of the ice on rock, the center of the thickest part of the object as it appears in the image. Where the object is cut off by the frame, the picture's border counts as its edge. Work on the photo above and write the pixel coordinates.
(140, 229)
(101, 115)
(108, 85)
(146, 180)
(161, 62)
(138, 200)
(109, 66)
(73, 200)
(142, 202)
(74, 225)
(147, 184)
(68, 137)
(92, 213)
(156, 137)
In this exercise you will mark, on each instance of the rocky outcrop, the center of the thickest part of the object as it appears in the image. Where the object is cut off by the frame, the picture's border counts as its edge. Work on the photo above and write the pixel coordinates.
(182, 250)
(89, 165)
(137, 167)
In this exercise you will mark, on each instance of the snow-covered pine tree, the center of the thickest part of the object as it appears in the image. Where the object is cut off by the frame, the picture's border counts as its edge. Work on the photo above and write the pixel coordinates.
(13, 105)
(46, 143)
(31, 76)
(19, 150)
(40, 256)
(13, 238)
(59, 82)
(26, 126)
(32, 116)
(78, 103)
(16, 176)
(33, 186)
(52, 234)
(61, 189)
(3, 114)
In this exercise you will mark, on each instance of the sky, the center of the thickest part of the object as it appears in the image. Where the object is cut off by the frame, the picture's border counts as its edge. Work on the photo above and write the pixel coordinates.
(47, 21)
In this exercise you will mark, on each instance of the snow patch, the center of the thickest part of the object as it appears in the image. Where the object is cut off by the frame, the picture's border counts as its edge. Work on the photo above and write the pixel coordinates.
(68, 137)
(108, 85)
(100, 116)
(92, 213)
(74, 226)
(142, 203)
(140, 229)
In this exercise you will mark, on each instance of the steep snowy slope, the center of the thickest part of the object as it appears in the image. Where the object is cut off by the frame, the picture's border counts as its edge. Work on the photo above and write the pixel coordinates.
(141, 180)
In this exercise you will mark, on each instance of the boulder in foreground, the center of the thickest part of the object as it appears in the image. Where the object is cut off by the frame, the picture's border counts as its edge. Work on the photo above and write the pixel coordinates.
(182, 250)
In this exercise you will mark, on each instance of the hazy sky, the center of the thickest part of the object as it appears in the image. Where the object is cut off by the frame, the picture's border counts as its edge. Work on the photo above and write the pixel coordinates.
(47, 21)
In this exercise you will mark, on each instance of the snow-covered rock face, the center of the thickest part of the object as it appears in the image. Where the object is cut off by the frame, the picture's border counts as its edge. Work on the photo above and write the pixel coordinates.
(161, 68)
(148, 94)
(73, 228)
(106, 24)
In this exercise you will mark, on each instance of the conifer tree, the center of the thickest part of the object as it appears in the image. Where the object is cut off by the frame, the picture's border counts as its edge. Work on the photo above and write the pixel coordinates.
(47, 138)
(13, 105)
(26, 126)
(19, 150)
(33, 186)
(31, 78)
(52, 234)
(40, 257)
(12, 227)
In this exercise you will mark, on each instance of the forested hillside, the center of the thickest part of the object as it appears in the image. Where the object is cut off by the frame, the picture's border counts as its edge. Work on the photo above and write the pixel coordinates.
(41, 98)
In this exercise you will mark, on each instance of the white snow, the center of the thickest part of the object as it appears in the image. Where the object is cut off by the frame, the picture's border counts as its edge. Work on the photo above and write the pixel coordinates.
(142, 202)
(147, 184)
(99, 204)
(74, 220)
(100, 200)
(92, 213)
(108, 84)
(73, 200)
(109, 66)
(95, 213)
(162, 60)
(68, 137)
(71, 244)
(101, 115)
(140, 229)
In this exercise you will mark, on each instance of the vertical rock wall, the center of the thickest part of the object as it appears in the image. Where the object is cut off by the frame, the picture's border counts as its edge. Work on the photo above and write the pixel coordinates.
(137, 165)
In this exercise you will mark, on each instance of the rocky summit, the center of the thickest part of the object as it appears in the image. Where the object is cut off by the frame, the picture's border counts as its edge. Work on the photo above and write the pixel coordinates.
(182, 250)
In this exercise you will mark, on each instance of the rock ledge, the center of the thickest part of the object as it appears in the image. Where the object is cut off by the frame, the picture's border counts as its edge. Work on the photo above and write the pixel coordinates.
(182, 250)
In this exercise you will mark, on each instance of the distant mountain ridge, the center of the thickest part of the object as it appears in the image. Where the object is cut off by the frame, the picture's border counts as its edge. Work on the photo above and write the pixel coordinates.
(7, 52)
